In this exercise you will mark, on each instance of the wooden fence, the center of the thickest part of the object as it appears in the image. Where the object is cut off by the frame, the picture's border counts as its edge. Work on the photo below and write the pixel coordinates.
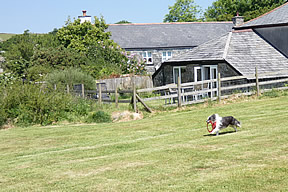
(179, 94)
(194, 92)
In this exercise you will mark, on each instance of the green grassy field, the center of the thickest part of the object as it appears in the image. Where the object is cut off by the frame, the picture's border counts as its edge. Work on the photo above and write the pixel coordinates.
(5, 36)
(169, 151)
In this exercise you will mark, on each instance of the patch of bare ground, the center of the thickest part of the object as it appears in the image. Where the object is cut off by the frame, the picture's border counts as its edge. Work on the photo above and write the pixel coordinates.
(122, 116)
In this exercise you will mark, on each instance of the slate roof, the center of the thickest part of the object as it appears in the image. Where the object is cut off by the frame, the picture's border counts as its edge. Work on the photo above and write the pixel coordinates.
(211, 50)
(247, 50)
(276, 16)
(243, 50)
(167, 35)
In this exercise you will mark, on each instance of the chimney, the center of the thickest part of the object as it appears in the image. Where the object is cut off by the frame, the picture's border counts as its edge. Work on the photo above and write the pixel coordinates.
(238, 20)
(84, 13)
(83, 18)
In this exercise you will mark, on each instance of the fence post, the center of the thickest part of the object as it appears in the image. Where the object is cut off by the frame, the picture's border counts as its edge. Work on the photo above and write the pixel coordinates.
(82, 91)
(219, 87)
(257, 81)
(68, 89)
(100, 94)
(134, 94)
(179, 92)
(116, 96)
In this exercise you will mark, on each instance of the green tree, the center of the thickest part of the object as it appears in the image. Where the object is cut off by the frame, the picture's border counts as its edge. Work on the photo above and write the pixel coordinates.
(81, 36)
(123, 22)
(85, 46)
(45, 60)
(225, 10)
(104, 56)
(183, 11)
(19, 50)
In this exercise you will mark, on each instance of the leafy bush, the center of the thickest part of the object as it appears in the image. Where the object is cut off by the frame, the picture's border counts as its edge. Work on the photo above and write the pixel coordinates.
(3, 117)
(7, 78)
(19, 50)
(99, 117)
(26, 104)
(135, 64)
(71, 76)
(274, 93)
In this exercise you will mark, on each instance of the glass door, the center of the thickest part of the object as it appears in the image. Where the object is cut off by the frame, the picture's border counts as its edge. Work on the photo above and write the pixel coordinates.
(210, 72)
(176, 74)
(214, 76)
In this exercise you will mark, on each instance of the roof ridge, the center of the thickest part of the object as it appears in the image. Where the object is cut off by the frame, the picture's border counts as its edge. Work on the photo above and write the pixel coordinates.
(242, 30)
(263, 14)
(173, 23)
(226, 48)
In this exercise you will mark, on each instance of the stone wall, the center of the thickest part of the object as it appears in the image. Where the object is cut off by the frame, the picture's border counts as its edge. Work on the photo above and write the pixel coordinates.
(157, 56)
(165, 74)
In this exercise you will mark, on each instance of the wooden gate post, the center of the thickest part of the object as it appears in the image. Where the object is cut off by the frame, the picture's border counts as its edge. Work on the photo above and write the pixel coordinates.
(100, 94)
(68, 89)
(116, 96)
(134, 94)
(83, 91)
(257, 82)
(179, 92)
(219, 87)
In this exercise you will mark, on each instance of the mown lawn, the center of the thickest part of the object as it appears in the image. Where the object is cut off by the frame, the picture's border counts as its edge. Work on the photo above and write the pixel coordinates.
(169, 151)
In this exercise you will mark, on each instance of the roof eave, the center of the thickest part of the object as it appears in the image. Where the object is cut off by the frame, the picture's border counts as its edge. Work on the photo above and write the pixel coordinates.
(260, 26)
(160, 47)
(194, 60)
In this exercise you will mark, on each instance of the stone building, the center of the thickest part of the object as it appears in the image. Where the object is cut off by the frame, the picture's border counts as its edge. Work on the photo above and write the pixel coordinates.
(158, 42)
(261, 42)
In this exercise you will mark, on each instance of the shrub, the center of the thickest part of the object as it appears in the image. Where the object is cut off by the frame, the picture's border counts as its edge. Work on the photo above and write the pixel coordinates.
(70, 77)
(99, 117)
(28, 104)
(273, 93)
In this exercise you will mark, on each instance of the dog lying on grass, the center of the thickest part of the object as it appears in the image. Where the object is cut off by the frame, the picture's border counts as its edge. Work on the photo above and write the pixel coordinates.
(219, 123)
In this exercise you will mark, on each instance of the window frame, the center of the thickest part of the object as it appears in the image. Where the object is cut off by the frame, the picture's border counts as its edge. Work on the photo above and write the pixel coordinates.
(166, 57)
(175, 81)
(147, 58)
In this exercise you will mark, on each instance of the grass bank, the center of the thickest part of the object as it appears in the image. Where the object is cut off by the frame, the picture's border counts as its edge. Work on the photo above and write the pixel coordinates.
(5, 36)
(170, 151)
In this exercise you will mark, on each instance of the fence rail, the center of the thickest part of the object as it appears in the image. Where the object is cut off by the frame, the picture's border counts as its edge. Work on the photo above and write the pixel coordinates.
(193, 92)
(215, 89)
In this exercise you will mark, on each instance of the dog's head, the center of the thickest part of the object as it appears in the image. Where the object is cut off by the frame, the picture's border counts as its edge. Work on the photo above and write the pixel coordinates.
(212, 118)
(237, 123)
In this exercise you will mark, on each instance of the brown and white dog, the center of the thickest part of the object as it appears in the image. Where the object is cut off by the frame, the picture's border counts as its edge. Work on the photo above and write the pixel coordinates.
(223, 122)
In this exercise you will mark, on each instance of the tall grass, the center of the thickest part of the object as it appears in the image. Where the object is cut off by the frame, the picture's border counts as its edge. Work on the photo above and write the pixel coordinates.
(29, 104)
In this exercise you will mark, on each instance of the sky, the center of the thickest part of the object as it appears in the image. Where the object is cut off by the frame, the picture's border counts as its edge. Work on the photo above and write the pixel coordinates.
(42, 16)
